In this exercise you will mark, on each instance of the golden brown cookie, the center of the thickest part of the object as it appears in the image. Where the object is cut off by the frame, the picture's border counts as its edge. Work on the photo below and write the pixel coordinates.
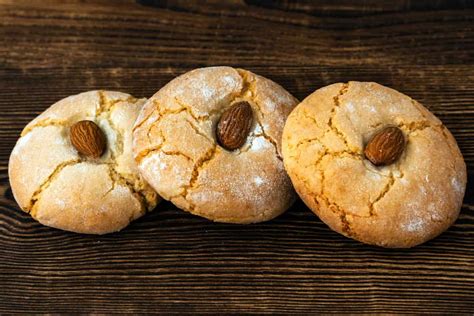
(176, 147)
(96, 191)
(401, 204)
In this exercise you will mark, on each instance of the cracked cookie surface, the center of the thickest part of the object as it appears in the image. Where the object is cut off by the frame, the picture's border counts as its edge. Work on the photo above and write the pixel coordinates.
(176, 149)
(400, 205)
(63, 189)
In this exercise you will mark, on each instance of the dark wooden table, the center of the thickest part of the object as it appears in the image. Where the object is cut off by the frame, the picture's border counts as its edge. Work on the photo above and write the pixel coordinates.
(173, 262)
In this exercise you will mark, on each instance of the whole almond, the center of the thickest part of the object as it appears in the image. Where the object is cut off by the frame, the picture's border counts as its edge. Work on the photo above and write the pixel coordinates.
(385, 146)
(234, 125)
(88, 138)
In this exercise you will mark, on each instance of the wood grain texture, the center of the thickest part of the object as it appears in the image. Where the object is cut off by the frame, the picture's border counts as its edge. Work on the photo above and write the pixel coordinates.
(173, 262)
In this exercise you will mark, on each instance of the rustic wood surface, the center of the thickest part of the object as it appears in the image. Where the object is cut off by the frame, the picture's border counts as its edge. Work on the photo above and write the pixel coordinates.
(173, 262)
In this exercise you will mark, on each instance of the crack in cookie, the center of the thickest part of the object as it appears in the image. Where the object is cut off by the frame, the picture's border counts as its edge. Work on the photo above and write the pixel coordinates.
(248, 85)
(415, 126)
(332, 126)
(159, 148)
(105, 108)
(143, 121)
(199, 132)
(165, 112)
(309, 117)
(248, 146)
(320, 199)
(270, 139)
(419, 107)
(340, 212)
(54, 174)
(65, 122)
(118, 178)
(189, 110)
(103, 112)
(454, 151)
(249, 88)
(146, 152)
(197, 168)
(381, 195)
(328, 204)
(106, 105)
(331, 205)
(44, 123)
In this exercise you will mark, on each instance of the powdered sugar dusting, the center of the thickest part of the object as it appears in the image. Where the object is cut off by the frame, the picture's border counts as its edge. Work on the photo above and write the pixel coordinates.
(435, 215)
(60, 203)
(196, 86)
(230, 81)
(118, 192)
(258, 181)
(207, 196)
(250, 192)
(279, 96)
(151, 163)
(258, 129)
(205, 89)
(260, 143)
(415, 224)
(434, 212)
(375, 176)
(423, 190)
(350, 107)
(456, 184)
(270, 105)
(397, 173)
(207, 92)
(167, 174)
(22, 142)
(60, 141)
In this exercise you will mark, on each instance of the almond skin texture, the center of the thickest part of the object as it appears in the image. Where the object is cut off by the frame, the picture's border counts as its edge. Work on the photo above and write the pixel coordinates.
(385, 146)
(234, 125)
(88, 138)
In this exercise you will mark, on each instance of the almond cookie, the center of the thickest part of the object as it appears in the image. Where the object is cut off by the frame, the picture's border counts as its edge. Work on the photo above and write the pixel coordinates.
(374, 164)
(209, 141)
(73, 167)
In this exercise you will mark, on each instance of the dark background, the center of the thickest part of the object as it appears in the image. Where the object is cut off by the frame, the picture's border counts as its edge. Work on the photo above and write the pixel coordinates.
(170, 261)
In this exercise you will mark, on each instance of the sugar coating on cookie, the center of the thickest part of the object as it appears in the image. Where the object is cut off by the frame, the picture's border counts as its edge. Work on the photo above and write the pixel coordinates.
(60, 187)
(176, 149)
(399, 205)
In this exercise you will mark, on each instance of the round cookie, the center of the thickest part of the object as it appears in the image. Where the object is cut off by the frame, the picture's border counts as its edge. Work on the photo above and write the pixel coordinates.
(399, 205)
(64, 189)
(177, 152)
